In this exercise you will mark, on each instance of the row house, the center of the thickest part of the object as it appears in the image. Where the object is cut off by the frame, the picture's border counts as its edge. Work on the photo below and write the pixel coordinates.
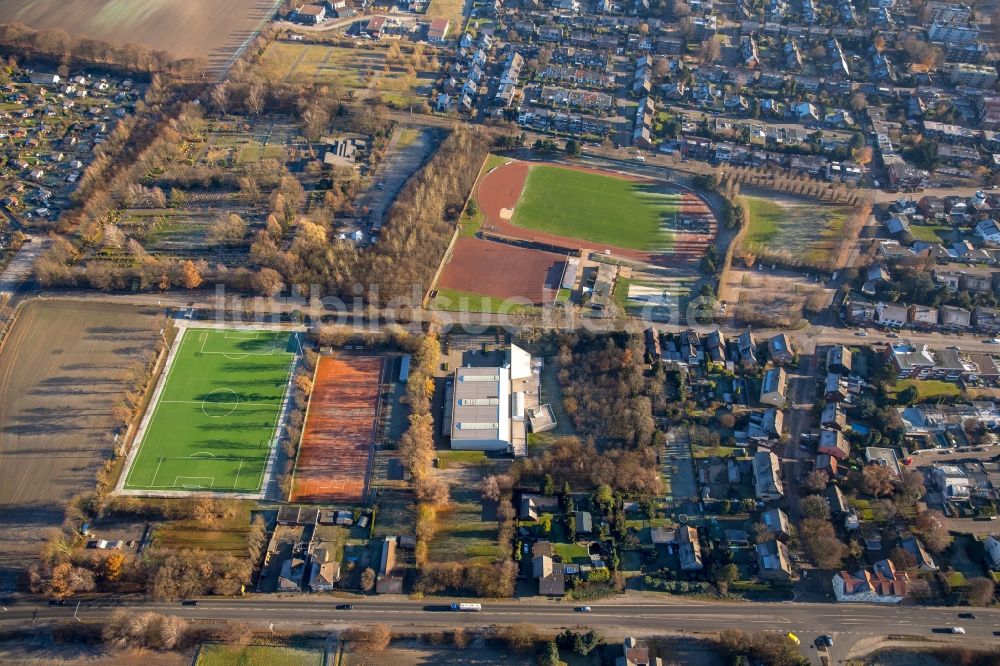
(645, 114)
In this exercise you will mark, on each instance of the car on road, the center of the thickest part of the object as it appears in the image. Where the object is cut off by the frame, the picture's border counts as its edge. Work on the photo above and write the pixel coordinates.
(967, 616)
(793, 638)
(956, 630)
(862, 334)
(189, 602)
(345, 606)
(892, 335)
(582, 609)
(992, 341)
(825, 640)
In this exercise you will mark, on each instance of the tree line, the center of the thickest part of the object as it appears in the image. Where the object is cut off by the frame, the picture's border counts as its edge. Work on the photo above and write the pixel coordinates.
(58, 46)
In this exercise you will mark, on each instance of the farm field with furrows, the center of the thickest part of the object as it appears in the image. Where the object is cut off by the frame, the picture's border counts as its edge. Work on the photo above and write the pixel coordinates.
(63, 370)
(185, 28)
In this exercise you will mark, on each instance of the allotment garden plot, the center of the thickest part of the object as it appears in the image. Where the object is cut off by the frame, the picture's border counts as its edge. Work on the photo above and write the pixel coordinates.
(214, 420)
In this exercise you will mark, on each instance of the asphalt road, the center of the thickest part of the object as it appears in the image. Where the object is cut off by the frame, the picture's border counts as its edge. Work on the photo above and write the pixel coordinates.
(847, 623)
(809, 337)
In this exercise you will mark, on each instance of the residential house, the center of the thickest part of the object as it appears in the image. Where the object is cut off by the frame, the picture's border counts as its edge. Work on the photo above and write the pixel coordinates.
(858, 311)
(774, 387)
(311, 14)
(584, 522)
(922, 317)
(833, 442)
(689, 548)
(779, 348)
(835, 389)
(989, 231)
(986, 320)
(773, 561)
(387, 581)
(827, 463)
(881, 584)
(767, 425)
(833, 417)
(768, 485)
(955, 318)
(885, 457)
(952, 481)
(375, 27)
(551, 576)
(636, 653)
(838, 503)
(839, 359)
(746, 346)
(292, 571)
(922, 559)
(777, 524)
(324, 575)
(891, 315)
(437, 31)
(992, 545)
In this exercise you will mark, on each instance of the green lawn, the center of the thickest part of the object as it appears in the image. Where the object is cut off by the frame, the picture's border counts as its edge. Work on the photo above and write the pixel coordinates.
(929, 389)
(932, 233)
(807, 230)
(257, 655)
(596, 208)
(454, 300)
(472, 223)
(455, 456)
(765, 219)
(214, 422)
(571, 552)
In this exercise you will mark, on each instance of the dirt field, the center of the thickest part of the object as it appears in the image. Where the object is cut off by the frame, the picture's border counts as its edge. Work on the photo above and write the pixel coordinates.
(186, 28)
(499, 191)
(61, 373)
(505, 271)
(338, 438)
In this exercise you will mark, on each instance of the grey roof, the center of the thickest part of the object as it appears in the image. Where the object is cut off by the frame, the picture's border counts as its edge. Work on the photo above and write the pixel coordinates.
(481, 409)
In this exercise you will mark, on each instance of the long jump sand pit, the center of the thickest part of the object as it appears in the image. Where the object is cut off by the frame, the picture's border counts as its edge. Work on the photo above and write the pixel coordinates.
(574, 207)
(339, 435)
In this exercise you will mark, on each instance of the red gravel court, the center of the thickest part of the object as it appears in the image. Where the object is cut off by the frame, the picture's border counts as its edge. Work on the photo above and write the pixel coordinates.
(496, 269)
(339, 436)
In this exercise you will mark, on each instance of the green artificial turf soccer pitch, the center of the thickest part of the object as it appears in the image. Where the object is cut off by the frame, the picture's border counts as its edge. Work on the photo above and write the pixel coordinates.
(214, 422)
(596, 208)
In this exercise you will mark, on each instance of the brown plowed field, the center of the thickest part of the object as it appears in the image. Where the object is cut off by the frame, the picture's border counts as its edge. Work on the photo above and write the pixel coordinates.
(63, 369)
(339, 432)
(501, 189)
(185, 28)
(505, 271)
